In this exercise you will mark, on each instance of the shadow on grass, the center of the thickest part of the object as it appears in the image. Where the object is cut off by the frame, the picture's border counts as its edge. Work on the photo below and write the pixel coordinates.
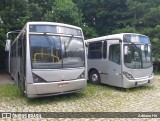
(140, 88)
(157, 73)
(89, 92)
(54, 99)
(11, 92)
(134, 89)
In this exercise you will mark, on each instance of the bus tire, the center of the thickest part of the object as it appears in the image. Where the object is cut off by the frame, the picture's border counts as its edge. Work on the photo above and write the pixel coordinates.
(94, 77)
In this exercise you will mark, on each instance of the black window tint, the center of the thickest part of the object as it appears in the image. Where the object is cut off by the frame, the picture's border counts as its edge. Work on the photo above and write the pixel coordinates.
(104, 49)
(20, 46)
(114, 53)
(94, 51)
(13, 50)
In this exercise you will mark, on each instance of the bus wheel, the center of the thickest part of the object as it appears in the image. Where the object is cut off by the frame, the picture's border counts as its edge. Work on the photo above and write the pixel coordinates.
(94, 77)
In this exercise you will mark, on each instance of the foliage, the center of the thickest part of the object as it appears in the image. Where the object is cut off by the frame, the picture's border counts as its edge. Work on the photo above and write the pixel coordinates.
(102, 15)
(64, 11)
(95, 17)
(127, 29)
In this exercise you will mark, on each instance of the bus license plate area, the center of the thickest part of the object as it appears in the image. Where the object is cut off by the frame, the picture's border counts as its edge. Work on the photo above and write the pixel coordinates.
(142, 82)
(63, 85)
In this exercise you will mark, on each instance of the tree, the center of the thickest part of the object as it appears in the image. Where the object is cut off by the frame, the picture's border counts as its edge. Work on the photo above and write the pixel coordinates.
(95, 17)
(13, 15)
(38, 8)
(64, 11)
(103, 15)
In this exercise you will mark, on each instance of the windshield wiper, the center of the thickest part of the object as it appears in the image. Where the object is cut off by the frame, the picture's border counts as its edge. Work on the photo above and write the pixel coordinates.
(49, 40)
(139, 53)
(69, 41)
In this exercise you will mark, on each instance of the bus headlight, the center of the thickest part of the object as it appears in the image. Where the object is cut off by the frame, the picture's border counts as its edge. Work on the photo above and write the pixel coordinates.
(129, 76)
(82, 75)
(37, 79)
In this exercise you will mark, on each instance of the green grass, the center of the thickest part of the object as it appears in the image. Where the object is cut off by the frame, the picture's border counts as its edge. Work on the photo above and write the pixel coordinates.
(54, 99)
(140, 89)
(91, 91)
(156, 73)
(10, 92)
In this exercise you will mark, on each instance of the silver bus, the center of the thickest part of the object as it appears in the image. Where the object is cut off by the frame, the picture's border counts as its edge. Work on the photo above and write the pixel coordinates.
(48, 58)
(122, 60)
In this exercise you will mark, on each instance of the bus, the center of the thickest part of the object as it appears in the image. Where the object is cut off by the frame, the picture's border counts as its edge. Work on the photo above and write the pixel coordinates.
(48, 58)
(122, 60)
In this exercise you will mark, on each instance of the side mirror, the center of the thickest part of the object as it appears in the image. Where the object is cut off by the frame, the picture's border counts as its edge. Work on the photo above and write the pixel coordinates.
(8, 45)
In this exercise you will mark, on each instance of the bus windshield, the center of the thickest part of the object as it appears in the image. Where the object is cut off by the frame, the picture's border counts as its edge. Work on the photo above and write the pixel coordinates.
(137, 56)
(53, 52)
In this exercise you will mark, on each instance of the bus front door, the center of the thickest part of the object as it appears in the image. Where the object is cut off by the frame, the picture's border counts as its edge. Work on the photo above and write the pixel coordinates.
(114, 63)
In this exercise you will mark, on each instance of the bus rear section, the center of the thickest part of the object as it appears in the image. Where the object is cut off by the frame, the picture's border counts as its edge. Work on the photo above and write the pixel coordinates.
(121, 60)
(53, 61)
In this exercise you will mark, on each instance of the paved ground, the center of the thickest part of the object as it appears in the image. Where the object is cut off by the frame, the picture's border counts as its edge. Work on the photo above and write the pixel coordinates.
(5, 79)
(95, 99)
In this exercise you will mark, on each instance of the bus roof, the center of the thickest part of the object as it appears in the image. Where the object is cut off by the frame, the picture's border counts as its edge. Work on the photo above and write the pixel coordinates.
(113, 36)
(45, 23)
(52, 23)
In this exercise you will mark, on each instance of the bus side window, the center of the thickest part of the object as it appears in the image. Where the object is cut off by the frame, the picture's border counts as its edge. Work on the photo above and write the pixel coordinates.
(114, 53)
(95, 50)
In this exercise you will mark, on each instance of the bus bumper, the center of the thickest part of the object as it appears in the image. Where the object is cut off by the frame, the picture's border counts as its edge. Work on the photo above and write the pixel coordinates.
(55, 88)
(137, 82)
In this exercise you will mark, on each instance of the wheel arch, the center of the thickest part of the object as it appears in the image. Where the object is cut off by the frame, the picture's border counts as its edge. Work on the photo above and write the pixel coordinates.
(90, 70)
